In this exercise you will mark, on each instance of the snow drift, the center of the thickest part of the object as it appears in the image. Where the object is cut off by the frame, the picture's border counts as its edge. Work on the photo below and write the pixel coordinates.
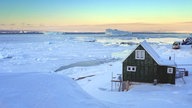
(38, 90)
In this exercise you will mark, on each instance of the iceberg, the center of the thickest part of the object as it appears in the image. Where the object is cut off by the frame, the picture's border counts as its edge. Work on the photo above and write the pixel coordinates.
(115, 32)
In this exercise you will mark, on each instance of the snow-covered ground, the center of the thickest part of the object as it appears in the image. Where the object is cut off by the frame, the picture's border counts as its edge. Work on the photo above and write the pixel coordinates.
(42, 90)
(28, 78)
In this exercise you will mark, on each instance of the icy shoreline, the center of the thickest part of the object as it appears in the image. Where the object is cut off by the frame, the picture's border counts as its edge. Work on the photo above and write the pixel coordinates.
(86, 64)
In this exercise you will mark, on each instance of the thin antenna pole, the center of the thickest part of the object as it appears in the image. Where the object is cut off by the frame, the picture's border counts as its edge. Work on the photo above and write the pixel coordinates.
(111, 81)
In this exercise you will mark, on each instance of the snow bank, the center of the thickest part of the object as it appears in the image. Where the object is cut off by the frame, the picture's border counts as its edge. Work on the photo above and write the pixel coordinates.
(115, 32)
(38, 90)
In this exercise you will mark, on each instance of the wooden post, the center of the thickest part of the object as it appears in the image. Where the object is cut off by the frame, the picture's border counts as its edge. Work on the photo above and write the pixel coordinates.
(120, 86)
(127, 85)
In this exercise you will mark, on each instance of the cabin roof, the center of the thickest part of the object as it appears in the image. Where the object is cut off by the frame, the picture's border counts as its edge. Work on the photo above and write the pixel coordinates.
(155, 56)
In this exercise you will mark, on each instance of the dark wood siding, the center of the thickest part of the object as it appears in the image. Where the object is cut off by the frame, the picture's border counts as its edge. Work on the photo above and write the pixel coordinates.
(146, 70)
(164, 77)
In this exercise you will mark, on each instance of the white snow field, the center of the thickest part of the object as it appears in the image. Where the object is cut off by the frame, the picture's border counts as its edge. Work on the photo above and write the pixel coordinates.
(36, 71)
(42, 90)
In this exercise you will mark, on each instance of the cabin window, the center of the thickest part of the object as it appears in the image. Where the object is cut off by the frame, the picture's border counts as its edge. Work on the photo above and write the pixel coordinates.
(170, 70)
(140, 54)
(131, 68)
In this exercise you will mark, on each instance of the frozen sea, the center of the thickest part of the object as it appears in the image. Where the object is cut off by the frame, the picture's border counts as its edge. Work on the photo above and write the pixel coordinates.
(49, 57)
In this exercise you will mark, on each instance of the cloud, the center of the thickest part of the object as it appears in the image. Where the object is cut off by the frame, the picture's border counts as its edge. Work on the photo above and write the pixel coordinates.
(134, 27)
(187, 22)
(12, 24)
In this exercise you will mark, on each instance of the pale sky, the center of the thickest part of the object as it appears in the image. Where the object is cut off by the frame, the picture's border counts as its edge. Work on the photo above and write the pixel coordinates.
(97, 15)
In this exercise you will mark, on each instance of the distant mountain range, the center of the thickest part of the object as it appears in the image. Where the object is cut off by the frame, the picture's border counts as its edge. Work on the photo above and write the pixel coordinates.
(19, 32)
(108, 31)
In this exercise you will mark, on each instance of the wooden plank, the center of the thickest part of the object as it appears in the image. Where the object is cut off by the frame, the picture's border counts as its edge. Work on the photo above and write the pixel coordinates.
(83, 77)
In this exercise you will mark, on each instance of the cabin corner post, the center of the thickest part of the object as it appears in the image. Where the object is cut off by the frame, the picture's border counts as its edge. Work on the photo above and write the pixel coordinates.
(155, 81)
(123, 66)
(173, 76)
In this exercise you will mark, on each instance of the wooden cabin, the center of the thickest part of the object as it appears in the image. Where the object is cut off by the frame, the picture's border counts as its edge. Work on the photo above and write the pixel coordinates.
(145, 65)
